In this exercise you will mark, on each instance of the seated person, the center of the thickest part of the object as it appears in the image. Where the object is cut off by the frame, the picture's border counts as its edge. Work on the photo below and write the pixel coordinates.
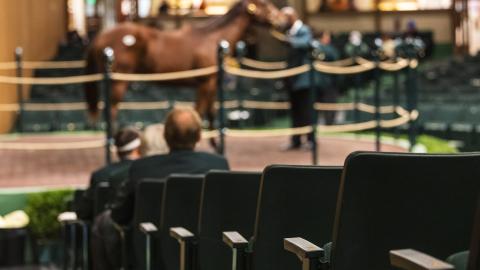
(127, 143)
(182, 132)
(152, 143)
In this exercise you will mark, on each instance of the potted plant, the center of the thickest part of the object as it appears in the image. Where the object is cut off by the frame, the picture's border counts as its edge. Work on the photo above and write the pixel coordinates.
(43, 209)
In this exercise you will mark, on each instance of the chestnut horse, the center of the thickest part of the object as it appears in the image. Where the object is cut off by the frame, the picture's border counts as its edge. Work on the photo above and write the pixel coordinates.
(140, 49)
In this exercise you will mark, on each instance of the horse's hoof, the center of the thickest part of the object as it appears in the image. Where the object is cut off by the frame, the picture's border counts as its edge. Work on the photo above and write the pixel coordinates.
(92, 121)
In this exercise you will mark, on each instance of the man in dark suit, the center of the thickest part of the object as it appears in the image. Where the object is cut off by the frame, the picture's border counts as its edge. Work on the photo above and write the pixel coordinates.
(298, 37)
(127, 142)
(182, 132)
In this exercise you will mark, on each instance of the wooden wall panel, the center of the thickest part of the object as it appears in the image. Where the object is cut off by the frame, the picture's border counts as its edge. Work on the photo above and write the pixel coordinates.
(37, 26)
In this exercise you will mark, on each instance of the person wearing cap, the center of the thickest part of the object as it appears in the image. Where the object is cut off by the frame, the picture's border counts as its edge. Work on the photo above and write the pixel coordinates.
(298, 38)
(127, 143)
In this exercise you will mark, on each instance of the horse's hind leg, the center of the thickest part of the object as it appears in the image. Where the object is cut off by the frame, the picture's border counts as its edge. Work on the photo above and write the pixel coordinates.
(205, 105)
(118, 92)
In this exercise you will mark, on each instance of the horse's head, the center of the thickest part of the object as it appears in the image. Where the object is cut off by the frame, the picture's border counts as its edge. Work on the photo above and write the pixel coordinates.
(264, 12)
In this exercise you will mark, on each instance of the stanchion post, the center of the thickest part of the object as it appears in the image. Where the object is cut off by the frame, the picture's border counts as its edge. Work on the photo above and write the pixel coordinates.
(19, 73)
(223, 49)
(314, 50)
(378, 132)
(241, 52)
(356, 94)
(396, 100)
(412, 93)
(107, 89)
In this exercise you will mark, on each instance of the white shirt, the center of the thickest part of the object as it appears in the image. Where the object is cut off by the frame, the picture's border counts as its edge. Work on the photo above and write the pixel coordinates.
(295, 27)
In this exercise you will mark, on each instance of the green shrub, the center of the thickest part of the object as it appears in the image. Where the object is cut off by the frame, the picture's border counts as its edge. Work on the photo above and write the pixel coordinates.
(436, 145)
(43, 209)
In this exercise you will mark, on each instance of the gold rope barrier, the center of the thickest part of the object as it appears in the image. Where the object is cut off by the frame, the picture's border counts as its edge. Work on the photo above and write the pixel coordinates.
(404, 117)
(334, 106)
(8, 65)
(371, 109)
(337, 63)
(389, 66)
(344, 70)
(157, 105)
(52, 81)
(54, 106)
(347, 127)
(264, 65)
(52, 145)
(98, 143)
(266, 105)
(9, 107)
(44, 65)
(161, 105)
(231, 104)
(178, 75)
(54, 64)
(243, 133)
(280, 74)
(413, 63)
(392, 67)
(324, 67)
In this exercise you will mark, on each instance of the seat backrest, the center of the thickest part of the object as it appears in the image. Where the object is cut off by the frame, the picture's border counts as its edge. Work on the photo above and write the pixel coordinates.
(102, 195)
(181, 204)
(474, 256)
(148, 205)
(294, 201)
(393, 201)
(228, 203)
(77, 200)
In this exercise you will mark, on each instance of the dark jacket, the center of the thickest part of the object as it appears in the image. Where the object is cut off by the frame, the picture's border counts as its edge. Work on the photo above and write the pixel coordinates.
(298, 56)
(159, 167)
(326, 81)
(114, 173)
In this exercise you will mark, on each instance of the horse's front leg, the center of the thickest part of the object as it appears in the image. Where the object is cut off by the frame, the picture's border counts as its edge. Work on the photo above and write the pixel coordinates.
(205, 104)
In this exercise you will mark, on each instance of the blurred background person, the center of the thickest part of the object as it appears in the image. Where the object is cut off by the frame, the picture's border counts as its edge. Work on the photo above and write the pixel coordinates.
(327, 91)
(356, 46)
(298, 38)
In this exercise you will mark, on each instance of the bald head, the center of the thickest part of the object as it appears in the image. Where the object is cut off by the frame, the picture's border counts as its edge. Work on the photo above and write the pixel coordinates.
(183, 129)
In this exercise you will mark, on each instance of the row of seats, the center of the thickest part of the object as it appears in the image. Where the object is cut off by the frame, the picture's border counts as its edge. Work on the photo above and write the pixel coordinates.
(376, 203)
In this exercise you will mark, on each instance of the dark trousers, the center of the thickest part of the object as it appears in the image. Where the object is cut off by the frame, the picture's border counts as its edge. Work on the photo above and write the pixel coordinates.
(301, 113)
(106, 243)
(328, 95)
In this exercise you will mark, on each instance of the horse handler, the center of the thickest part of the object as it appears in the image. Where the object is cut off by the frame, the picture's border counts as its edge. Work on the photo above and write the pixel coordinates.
(298, 37)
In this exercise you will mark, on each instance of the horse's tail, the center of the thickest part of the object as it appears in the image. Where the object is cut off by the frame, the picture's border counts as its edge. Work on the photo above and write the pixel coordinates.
(91, 90)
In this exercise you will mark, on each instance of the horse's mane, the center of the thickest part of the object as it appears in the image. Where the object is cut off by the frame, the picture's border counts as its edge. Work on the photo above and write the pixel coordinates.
(221, 21)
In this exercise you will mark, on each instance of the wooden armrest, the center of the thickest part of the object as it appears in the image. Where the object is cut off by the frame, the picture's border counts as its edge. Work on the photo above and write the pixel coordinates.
(234, 240)
(181, 234)
(67, 217)
(411, 259)
(148, 227)
(302, 248)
